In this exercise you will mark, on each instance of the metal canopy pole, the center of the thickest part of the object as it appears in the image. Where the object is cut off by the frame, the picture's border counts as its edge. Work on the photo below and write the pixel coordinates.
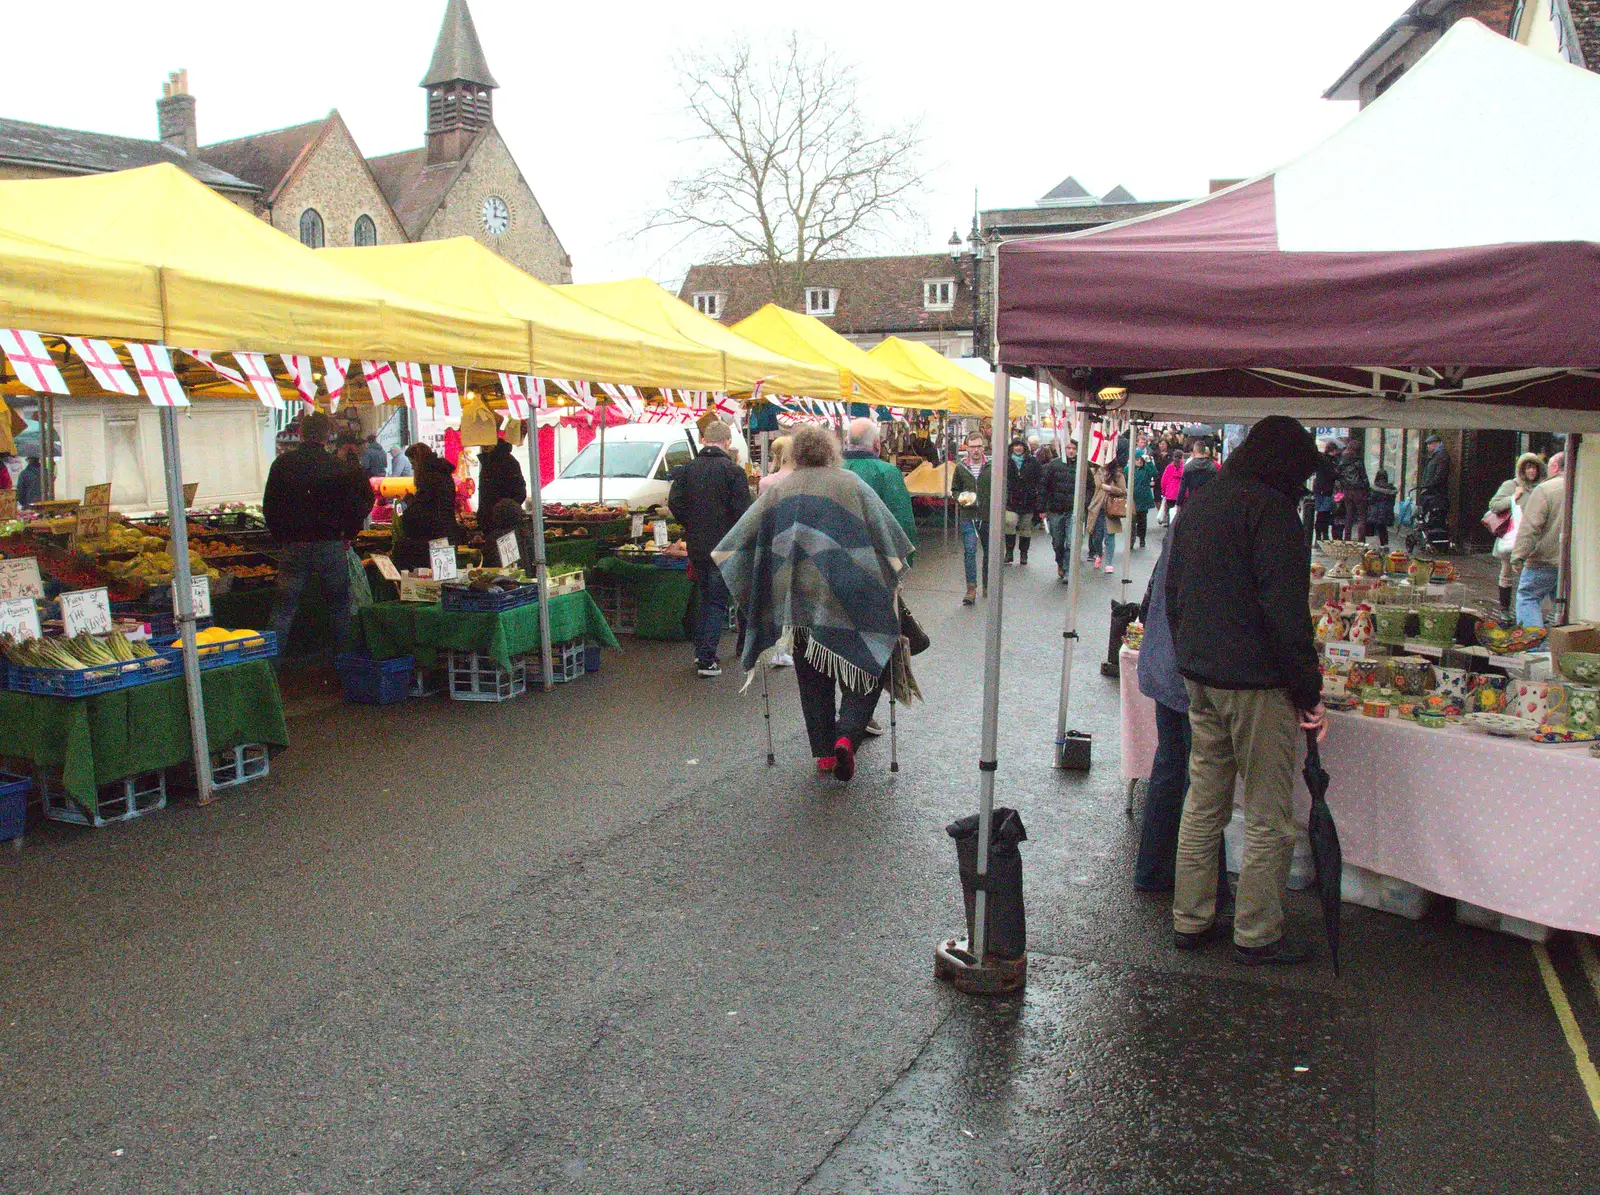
(600, 492)
(1127, 520)
(541, 570)
(987, 763)
(183, 602)
(1069, 634)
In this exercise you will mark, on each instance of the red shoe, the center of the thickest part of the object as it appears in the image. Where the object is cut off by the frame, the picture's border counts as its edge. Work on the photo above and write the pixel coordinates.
(825, 764)
(844, 759)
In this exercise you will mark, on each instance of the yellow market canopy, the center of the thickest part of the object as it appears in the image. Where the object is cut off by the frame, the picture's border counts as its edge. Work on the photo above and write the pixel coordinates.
(50, 287)
(224, 279)
(864, 378)
(969, 395)
(565, 338)
(643, 304)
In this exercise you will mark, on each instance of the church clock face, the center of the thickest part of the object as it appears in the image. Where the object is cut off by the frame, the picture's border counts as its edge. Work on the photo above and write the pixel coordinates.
(496, 216)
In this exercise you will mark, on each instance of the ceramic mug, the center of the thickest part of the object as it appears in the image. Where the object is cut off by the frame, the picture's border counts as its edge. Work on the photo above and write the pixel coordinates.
(1487, 693)
(1583, 708)
(1543, 701)
(1452, 685)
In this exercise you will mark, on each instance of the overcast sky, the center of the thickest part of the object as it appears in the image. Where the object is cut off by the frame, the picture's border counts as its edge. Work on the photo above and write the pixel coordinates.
(1159, 95)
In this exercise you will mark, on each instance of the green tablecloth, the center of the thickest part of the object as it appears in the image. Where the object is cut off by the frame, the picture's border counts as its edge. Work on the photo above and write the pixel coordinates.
(420, 629)
(101, 739)
(666, 596)
(570, 549)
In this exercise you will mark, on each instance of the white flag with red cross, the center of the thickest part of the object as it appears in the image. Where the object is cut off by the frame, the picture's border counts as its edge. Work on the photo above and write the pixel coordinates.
(153, 364)
(305, 381)
(35, 367)
(258, 376)
(516, 402)
(578, 392)
(383, 384)
(210, 361)
(334, 370)
(103, 364)
(534, 388)
(726, 404)
(411, 387)
(446, 394)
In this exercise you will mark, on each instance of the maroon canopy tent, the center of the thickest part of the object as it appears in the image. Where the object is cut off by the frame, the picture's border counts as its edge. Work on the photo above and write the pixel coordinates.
(1435, 263)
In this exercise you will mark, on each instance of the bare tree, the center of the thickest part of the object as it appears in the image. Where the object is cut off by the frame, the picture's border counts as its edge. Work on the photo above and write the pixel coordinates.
(792, 172)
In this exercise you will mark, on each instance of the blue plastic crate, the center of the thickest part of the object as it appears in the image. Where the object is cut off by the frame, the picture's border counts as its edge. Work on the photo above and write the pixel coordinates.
(375, 682)
(680, 563)
(103, 678)
(591, 656)
(13, 806)
(459, 599)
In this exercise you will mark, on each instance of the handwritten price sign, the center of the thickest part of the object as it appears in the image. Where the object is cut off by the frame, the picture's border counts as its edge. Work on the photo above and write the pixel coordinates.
(19, 618)
(20, 578)
(510, 553)
(86, 610)
(442, 558)
(200, 595)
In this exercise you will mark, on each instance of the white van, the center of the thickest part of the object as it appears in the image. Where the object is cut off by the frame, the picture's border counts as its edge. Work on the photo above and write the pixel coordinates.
(640, 459)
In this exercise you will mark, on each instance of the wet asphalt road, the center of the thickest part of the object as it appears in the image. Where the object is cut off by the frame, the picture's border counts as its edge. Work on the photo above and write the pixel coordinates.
(589, 942)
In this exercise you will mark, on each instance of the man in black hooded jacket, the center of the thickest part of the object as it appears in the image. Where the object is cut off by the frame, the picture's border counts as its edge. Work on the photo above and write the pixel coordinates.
(1238, 599)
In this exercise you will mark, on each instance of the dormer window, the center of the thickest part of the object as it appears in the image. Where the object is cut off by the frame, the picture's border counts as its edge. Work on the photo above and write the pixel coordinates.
(938, 294)
(708, 303)
(821, 300)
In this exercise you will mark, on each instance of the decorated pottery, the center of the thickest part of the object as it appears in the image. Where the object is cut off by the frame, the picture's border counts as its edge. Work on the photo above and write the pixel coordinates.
(1561, 736)
(1451, 684)
(1318, 570)
(1507, 638)
(1335, 685)
(1583, 708)
(1580, 666)
(1412, 675)
(1389, 623)
(1437, 624)
(1331, 625)
(1419, 572)
(1431, 720)
(1443, 571)
(1397, 563)
(1362, 625)
(1367, 673)
(1502, 725)
(1486, 694)
(1373, 562)
(1407, 710)
(1541, 701)
(1375, 709)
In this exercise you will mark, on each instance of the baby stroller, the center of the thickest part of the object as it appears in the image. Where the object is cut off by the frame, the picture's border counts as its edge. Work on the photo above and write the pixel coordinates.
(1431, 535)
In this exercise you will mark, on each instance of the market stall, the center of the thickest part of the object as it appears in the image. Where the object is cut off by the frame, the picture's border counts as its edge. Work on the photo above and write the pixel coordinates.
(863, 378)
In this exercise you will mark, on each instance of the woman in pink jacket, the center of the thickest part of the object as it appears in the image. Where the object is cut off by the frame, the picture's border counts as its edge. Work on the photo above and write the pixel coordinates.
(1171, 486)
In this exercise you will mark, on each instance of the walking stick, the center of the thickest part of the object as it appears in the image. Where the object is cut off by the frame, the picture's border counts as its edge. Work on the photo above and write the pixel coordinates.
(894, 738)
(766, 713)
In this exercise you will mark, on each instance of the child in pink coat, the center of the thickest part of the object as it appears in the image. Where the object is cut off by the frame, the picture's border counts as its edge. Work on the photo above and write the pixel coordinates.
(1171, 487)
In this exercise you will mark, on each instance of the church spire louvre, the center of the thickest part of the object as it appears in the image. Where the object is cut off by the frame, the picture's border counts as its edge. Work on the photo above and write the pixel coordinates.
(458, 54)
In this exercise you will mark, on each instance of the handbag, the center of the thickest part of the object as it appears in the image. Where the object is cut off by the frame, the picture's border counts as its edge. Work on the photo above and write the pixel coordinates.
(1116, 508)
(916, 638)
(1497, 521)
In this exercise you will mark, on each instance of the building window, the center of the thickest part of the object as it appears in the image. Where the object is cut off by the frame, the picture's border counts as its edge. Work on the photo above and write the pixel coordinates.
(311, 228)
(938, 294)
(708, 302)
(821, 300)
(366, 232)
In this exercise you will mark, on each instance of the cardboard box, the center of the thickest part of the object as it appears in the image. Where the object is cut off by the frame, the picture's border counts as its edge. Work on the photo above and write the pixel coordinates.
(418, 589)
(1575, 636)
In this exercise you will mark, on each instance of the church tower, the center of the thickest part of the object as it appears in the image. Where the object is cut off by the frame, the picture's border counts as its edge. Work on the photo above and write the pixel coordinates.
(459, 87)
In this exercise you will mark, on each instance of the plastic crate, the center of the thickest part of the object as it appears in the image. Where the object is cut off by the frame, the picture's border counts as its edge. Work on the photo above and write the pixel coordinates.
(104, 678)
(375, 682)
(460, 599)
(262, 646)
(14, 807)
(423, 683)
(119, 801)
(474, 676)
(571, 581)
(618, 604)
(678, 563)
(1501, 923)
(239, 765)
(567, 660)
(1358, 886)
(591, 655)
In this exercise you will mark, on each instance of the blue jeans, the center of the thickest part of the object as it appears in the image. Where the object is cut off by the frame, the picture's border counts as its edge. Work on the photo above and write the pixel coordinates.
(1537, 584)
(1060, 536)
(714, 599)
(1163, 808)
(326, 562)
(969, 549)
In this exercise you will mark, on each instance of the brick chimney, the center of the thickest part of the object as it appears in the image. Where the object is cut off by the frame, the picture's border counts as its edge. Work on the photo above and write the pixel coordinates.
(175, 123)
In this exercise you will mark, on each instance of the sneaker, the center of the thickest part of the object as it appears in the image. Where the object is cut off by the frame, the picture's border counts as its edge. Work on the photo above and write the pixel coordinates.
(1281, 953)
(1096, 562)
(711, 669)
(1061, 573)
(972, 595)
(844, 759)
(872, 728)
(1219, 930)
(825, 764)
(1111, 568)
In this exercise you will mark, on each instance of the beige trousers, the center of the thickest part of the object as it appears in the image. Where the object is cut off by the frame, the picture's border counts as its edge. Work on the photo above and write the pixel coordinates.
(1248, 735)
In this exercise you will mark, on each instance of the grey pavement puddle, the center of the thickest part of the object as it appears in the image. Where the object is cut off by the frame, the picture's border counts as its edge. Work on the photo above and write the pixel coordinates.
(1117, 1079)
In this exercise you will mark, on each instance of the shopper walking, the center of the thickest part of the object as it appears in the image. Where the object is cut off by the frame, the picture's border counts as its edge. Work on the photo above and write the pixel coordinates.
(708, 496)
(1357, 491)
(1057, 484)
(781, 465)
(1511, 499)
(399, 463)
(500, 479)
(1537, 553)
(861, 458)
(1171, 487)
(1238, 594)
(1022, 500)
(1323, 486)
(1380, 507)
(1108, 506)
(430, 512)
(1144, 481)
(1198, 470)
(836, 611)
(969, 483)
(314, 505)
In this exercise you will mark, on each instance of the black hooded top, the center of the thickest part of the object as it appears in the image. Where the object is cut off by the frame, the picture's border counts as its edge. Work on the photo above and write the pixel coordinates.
(1238, 584)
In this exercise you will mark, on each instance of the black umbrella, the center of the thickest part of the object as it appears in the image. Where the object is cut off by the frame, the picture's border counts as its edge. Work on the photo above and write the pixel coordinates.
(1325, 851)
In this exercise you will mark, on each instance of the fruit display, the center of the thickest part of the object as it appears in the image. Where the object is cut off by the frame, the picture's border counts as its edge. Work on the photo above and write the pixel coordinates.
(155, 568)
(120, 537)
(210, 641)
(583, 512)
(79, 652)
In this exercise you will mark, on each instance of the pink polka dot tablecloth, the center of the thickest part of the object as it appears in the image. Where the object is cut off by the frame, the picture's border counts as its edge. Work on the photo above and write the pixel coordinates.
(1498, 822)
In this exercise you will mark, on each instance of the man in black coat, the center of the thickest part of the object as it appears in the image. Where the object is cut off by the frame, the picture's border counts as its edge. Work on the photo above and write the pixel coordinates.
(1238, 603)
(1056, 481)
(708, 496)
(314, 504)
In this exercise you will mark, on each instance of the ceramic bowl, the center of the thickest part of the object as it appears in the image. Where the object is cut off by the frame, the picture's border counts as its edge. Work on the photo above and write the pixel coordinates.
(1431, 720)
(1581, 666)
(1389, 623)
(1412, 675)
(1504, 639)
(1437, 624)
(1501, 725)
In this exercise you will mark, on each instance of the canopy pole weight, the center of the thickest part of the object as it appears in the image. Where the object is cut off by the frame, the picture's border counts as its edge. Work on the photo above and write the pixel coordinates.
(183, 603)
(988, 764)
(1069, 634)
(541, 568)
